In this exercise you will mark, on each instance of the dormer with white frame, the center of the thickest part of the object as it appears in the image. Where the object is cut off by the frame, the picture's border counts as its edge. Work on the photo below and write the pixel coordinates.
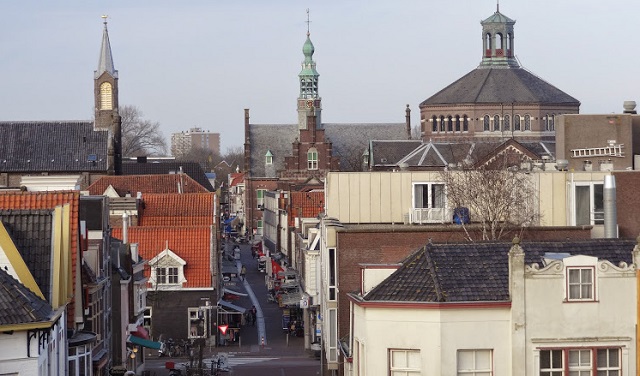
(167, 271)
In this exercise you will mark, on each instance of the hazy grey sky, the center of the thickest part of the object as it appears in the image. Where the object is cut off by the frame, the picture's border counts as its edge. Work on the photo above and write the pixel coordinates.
(200, 63)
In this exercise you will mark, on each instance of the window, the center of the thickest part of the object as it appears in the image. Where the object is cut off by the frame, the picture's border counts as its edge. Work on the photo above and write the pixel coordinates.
(259, 227)
(507, 122)
(589, 204)
(167, 275)
(486, 123)
(332, 274)
(260, 198)
(516, 122)
(580, 284)
(268, 158)
(80, 361)
(312, 159)
(449, 124)
(441, 123)
(465, 124)
(148, 313)
(527, 122)
(197, 323)
(580, 362)
(475, 362)
(457, 123)
(496, 123)
(106, 96)
(404, 362)
(434, 120)
(429, 203)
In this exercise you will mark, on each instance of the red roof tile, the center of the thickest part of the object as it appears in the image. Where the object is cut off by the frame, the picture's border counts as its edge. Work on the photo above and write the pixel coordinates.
(236, 178)
(133, 184)
(305, 205)
(192, 244)
(189, 209)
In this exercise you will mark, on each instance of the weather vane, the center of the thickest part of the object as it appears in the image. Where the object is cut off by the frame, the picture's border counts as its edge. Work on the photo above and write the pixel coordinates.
(308, 22)
(104, 17)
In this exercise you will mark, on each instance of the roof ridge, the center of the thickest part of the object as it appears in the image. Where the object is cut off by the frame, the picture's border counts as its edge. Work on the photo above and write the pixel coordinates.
(432, 272)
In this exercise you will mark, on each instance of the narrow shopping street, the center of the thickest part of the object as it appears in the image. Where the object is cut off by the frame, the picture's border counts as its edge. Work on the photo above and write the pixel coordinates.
(264, 345)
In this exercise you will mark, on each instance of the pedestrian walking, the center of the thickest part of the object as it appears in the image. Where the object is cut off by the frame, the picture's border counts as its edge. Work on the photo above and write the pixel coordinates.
(253, 315)
(243, 271)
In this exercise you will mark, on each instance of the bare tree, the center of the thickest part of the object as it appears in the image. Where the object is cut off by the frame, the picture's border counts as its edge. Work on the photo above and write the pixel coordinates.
(500, 200)
(351, 158)
(140, 136)
(222, 165)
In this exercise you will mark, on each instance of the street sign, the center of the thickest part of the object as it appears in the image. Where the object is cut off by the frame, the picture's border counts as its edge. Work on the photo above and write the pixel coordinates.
(223, 329)
(304, 303)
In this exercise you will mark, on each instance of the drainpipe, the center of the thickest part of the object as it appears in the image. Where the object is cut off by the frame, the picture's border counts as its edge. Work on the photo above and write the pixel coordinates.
(610, 213)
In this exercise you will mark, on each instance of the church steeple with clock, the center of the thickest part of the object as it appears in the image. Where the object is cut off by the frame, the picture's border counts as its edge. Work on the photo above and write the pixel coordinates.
(309, 100)
(106, 102)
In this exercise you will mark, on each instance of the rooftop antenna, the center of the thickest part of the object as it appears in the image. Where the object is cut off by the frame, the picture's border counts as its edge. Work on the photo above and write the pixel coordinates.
(308, 23)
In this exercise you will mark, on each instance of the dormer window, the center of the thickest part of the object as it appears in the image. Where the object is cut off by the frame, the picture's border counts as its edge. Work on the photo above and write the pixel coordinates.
(268, 158)
(167, 271)
(580, 284)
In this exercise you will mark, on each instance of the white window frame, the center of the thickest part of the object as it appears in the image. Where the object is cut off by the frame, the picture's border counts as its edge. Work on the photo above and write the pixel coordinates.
(596, 217)
(332, 276)
(592, 367)
(432, 211)
(312, 159)
(405, 369)
(474, 370)
(259, 227)
(196, 314)
(580, 283)
(260, 198)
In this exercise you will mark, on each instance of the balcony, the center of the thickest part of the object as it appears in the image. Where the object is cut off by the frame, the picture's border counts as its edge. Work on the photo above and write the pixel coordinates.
(430, 215)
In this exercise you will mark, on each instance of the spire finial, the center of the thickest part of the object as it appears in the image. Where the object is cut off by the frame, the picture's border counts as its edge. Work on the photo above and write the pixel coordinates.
(104, 17)
(498, 6)
(308, 23)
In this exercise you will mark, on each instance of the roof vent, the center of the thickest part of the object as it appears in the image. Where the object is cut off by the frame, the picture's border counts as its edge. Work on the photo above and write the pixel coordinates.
(629, 107)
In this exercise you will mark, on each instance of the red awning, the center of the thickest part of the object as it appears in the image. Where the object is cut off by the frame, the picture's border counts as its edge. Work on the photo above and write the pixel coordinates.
(141, 332)
(276, 268)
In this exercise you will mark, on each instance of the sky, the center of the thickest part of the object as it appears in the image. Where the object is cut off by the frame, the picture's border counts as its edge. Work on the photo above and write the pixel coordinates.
(200, 63)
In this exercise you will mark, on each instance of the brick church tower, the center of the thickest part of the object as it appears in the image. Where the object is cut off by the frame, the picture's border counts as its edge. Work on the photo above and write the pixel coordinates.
(106, 104)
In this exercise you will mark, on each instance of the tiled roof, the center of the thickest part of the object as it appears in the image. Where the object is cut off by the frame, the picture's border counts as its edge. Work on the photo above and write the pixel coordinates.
(193, 169)
(192, 244)
(49, 200)
(31, 232)
(168, 183)
(500, 85)
(305, 205)
(236, 178)
(345, 139)
(473, 272)
(172, 209)
(19, 305)
(52, 146)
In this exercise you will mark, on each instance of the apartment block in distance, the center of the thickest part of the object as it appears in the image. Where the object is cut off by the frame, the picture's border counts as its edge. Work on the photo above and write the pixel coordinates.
(182, 142)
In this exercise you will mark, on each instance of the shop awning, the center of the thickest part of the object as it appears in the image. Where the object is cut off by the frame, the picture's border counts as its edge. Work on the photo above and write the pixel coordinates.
(234, 307)
(144, 342)
(229, 291)
(141, 332)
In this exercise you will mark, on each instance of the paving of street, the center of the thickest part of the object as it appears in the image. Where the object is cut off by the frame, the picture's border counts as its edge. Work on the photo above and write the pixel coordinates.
(280, 355)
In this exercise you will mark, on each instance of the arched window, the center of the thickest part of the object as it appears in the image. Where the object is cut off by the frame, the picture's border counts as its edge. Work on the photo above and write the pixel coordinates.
(552, 123)
(547, 122)
(106, 96)
(465, 124)
(527, 122)
(457, 123)
(487, 41)
(441, 123)
(268, 158)
(499, 41)
(312, 159)
(434, 120)
(496, 123)
(449, 124)
(516, 122)
(506, 123)
(487, 123)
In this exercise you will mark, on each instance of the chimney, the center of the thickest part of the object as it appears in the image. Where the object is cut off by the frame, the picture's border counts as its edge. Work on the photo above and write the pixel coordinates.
(125, 228)
(407, 117)
(610, 213)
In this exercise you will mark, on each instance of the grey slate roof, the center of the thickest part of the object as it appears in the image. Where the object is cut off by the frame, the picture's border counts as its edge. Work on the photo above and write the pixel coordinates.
(31, 232)
(345, 138)
(474, 272)
(439, 154)
(19, 305)
(193, 169)
(52, 146)
(485, 85)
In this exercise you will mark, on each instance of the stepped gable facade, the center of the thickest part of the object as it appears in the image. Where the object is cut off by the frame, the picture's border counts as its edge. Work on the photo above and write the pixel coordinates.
(499, 99)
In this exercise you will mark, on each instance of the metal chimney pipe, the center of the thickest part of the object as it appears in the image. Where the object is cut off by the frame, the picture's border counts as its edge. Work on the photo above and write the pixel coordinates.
(610, 211)
(125, 228)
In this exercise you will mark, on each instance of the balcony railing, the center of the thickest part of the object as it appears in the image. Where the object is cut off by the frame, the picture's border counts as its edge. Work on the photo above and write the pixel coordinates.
(430, 215)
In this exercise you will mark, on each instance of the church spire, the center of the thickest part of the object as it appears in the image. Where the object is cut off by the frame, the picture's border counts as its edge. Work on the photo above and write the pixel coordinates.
(105, 63)
(309, 99)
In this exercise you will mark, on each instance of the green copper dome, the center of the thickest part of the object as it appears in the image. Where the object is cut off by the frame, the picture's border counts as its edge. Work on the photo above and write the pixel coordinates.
(308, 49)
